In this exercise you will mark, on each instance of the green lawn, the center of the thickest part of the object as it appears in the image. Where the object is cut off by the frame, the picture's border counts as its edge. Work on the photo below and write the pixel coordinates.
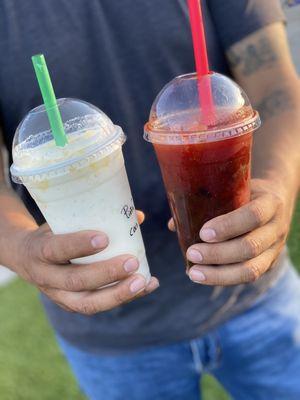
(32, 367)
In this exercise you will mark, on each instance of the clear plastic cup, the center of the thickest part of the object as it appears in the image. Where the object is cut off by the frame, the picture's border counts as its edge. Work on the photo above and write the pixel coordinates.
(204, 154)
(83, 185)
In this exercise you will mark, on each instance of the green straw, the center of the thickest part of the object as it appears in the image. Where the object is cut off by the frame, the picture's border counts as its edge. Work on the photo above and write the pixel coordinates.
(49, 98)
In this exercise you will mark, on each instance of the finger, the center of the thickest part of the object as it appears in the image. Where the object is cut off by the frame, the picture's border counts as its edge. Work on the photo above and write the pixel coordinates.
(76, 278)
(59, 296)
(171, 225)
(52, 294)
(152, 285)
(63, 248)
(236, 223)
(234, 274)
(140, 216)
(236, 250)
(105, 299)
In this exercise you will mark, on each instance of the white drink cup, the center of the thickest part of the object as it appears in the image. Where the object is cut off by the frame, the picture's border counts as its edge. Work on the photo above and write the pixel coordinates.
(84, 185)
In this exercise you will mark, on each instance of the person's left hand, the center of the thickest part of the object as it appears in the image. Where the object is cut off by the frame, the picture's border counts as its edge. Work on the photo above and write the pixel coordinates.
(242, 245)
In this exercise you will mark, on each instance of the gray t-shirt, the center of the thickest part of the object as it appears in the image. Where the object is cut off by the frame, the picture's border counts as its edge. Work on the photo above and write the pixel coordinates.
(118, 55)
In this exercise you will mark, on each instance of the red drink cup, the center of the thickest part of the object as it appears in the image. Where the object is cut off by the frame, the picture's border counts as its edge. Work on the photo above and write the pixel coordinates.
(205, 160)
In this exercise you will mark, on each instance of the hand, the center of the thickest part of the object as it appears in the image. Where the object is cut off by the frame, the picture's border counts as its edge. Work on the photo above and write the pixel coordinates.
(76, 288)
(242, 245)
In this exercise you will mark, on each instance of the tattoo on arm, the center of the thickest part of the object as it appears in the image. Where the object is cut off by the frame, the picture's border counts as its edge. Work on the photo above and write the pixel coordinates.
(253, 57)
(274, 104)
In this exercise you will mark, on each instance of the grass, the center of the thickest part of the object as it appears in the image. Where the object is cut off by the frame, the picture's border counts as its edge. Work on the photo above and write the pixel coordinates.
(32, 367)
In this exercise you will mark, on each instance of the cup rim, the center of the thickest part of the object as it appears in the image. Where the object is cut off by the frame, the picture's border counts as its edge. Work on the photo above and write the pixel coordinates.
(101, 150)
(197, 136)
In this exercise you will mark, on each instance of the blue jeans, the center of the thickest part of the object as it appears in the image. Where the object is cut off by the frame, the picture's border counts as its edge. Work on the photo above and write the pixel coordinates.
(255, 356)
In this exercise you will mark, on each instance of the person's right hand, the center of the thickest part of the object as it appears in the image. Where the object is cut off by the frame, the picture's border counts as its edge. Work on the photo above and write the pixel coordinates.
(77, 288)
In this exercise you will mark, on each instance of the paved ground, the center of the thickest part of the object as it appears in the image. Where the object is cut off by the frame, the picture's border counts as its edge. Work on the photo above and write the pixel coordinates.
(5, 276)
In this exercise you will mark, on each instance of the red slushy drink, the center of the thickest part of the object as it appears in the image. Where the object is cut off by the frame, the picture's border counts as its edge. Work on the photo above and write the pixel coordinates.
(205, 161)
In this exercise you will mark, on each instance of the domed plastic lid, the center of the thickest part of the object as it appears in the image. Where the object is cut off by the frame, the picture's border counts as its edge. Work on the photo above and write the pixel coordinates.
(179, 117)
(88, 130)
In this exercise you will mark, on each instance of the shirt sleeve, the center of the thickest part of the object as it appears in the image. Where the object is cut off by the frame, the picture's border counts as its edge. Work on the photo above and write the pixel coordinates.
(236, 19)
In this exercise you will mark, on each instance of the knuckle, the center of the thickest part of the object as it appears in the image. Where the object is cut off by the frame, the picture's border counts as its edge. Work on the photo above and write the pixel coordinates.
(87, 307)
(214, 254)
(37, 277)
(218, 280)
(252, 247)
(252, 273)
(120, 296)
(112, 273)
(277, 201)
(74, 281)
(257, 213)
(224, 226)
(47, 251)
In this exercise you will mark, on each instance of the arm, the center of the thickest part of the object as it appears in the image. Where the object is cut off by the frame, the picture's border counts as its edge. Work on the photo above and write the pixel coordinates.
(15, 222)
(247, 241)
(42, 258)
(262, 65)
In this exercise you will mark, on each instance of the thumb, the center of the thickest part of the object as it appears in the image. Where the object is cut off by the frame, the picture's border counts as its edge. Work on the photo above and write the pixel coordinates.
(60, 249)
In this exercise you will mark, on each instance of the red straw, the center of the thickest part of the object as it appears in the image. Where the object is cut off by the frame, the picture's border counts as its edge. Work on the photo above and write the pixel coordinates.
(198, 34)
(201, 59)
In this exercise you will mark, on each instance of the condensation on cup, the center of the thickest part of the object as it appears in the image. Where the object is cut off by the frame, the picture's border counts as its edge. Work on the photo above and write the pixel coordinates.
(84, 185)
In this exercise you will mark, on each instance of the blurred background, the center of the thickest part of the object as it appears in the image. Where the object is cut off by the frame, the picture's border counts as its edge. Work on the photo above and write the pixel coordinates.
(31, 366)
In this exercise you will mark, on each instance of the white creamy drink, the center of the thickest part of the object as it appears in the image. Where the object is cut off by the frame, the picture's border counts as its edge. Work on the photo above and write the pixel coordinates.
(83, 185)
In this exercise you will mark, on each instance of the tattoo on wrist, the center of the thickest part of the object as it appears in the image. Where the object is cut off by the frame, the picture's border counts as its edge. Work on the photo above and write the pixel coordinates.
(275, 103)
(253, 57)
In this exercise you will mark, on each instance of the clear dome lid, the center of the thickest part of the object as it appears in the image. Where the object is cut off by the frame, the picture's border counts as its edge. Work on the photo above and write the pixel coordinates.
(178, 114)
(88, 130)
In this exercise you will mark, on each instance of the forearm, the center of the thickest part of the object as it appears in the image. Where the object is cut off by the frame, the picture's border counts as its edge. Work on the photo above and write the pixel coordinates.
(15, 223)
(262, 64)
(276, 151)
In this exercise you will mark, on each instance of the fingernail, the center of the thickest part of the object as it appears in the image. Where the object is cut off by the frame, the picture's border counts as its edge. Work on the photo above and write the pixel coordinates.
(131, 265)
(137, 285)
(194, 255)
(152, 285)
(196, 275)
(99, 241)
(207, 234)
